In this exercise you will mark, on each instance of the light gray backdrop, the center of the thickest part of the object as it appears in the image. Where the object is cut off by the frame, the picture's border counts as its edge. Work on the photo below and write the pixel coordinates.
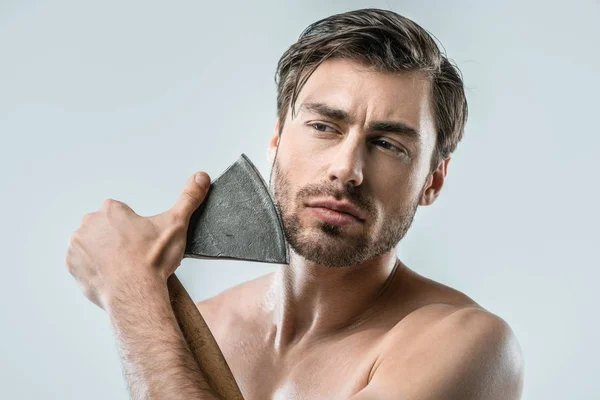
(126, 99)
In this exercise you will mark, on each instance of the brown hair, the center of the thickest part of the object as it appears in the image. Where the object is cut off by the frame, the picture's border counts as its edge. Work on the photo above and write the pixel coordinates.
(385, 42)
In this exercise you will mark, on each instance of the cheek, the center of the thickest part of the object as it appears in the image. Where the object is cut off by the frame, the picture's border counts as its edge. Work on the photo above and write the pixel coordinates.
(302, 158)
(394, 196)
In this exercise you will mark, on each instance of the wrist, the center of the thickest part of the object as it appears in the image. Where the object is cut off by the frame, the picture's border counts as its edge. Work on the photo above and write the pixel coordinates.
(136, 291)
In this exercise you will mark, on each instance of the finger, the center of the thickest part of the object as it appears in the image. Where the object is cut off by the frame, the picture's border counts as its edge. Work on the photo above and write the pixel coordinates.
(192, 196)
(110, 205)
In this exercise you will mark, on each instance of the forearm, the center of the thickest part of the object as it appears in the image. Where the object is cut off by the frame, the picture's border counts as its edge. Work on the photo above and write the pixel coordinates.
(157, 361)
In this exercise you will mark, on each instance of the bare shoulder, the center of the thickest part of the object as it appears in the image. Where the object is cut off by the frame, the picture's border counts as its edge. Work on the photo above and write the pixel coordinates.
(450, 317)
(449, 346)
(236, 302)
(472, 334)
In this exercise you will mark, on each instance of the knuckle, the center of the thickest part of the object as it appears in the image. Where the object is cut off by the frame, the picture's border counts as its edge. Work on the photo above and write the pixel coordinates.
(107, 204)
(192, 198)
(111, 205)
(86, 218)
(70, 268)
(73, 239)
(69, 262)
(110, 202)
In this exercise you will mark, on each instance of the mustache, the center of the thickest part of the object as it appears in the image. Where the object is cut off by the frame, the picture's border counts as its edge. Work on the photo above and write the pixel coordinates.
(353, 195)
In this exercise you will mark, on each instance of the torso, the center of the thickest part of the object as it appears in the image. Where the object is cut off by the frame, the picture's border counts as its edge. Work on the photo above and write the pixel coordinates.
(335, 367)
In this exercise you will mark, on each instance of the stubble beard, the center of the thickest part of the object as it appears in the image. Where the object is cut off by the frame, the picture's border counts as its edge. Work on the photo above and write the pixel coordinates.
(332, 246)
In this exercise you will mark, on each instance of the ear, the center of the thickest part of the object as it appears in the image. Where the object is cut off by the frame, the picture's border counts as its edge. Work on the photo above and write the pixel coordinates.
(434, 184)
(273, 143)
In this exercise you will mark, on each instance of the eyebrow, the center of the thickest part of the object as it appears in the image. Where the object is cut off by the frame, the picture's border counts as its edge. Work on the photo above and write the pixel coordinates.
(336, 114)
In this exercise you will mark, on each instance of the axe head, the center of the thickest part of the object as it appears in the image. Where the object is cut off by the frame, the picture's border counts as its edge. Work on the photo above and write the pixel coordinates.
(238, 219)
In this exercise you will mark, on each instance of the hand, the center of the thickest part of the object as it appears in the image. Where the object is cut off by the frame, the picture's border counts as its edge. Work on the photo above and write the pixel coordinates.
(115, 251)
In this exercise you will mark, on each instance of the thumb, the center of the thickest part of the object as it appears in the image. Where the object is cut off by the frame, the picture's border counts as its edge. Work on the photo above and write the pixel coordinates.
(192, 196)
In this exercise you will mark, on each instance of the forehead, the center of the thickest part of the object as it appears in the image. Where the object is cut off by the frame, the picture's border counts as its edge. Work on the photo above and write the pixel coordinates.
(369, 95)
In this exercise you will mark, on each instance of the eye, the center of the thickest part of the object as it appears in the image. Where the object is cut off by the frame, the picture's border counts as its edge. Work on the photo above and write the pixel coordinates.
(321, 127)
(390, 147)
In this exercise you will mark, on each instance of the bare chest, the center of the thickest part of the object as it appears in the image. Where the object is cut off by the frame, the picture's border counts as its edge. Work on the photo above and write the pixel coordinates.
(335, 370)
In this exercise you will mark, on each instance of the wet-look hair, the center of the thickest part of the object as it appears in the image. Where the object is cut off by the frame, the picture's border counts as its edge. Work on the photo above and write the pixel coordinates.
(382, 41)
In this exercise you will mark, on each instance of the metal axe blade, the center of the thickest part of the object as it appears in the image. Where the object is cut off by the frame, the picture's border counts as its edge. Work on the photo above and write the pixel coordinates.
(238, 219)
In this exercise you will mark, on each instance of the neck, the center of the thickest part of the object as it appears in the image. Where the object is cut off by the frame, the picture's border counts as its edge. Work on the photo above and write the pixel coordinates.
(310, 301)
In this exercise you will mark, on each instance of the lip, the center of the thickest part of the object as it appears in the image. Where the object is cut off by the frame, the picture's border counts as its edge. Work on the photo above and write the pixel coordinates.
(339, 206)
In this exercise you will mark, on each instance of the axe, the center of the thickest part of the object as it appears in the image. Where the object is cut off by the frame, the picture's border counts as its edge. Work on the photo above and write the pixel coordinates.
(237, 220)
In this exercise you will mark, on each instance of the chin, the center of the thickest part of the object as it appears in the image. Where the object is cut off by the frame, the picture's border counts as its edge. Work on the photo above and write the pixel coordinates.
(331, 249)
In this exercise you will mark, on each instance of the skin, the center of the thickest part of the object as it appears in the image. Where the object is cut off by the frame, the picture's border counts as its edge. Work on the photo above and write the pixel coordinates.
(368, 327)
(364, 331)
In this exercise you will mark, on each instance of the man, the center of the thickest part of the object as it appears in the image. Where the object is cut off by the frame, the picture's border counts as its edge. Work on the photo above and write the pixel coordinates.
(369, 112)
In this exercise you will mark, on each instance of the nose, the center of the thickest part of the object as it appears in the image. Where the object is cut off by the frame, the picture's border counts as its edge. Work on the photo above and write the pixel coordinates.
(346, 166)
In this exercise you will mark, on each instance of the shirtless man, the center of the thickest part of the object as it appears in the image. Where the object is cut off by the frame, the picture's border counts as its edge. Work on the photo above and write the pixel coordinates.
(368, 141)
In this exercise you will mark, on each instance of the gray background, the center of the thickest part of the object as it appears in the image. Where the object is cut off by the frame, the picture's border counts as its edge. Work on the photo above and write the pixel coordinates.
(126, 99)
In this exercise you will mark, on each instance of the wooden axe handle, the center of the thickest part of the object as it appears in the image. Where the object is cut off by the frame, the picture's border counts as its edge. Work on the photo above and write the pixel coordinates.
(202, 343)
